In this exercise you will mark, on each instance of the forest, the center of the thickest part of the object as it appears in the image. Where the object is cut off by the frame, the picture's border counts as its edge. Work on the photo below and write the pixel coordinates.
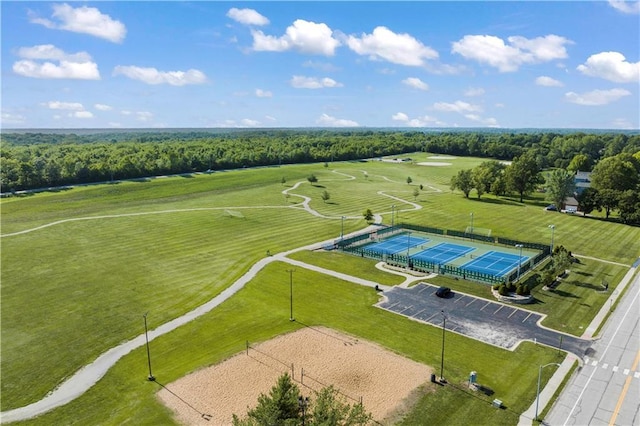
(51, 159)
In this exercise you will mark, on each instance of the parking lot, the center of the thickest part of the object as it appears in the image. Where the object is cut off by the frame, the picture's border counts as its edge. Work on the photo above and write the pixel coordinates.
(481, 319)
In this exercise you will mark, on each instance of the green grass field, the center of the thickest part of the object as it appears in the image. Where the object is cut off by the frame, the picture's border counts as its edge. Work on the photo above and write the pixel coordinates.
(73, 290)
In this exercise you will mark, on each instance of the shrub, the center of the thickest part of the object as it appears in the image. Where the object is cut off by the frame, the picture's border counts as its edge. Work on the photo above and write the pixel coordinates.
(502, 290)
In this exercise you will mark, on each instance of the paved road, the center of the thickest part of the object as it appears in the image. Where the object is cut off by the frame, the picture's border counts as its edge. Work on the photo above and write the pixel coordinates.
(606, 390)
(481, 319)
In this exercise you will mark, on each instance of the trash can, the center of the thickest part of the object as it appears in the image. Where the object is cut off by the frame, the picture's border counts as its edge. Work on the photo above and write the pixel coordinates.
(433, 378)
(497, 403)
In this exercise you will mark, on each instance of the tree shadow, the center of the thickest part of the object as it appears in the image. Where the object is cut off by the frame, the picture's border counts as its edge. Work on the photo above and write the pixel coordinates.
(562, 293)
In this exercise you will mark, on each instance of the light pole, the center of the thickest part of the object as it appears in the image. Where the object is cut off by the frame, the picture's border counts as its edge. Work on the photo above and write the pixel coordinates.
(146, 335)
(553, 228)
(444, 326)
(519, 260)
(342, 229)
(538, 393)
(471, 223)
(290, 271)
(393, 208)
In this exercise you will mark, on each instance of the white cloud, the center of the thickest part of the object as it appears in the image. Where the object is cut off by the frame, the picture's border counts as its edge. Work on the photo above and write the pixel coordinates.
(9, 118)
(611, 66)
(301, 82)
(140, 115)
(402, 49)
(322, 66)
(102, 107)
(153, 76)
(509, 57)
(416, 122)
(81, 114)
(247, 122)
(329, 121)
(49, 51)
(263, 93)
(596, 97)
(247, 16)
(457, 106)
(303, 36)
(628, 7)
(69, 106)
(86, 20)
(474, 91)
(491, 122)
(546, 81)
(621, 123)
(270, 118)
(70, 65)
(416, 83)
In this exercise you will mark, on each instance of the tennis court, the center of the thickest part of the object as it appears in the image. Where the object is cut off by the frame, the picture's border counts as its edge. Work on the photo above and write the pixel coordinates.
(397, 244)
(443, 253)
(495, 263)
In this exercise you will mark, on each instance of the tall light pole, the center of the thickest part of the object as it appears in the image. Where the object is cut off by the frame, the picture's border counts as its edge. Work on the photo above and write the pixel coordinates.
(519, 260)
(146, 335)
(553, 228)
(471, 223)
(290, 271)
(393, 208)
(538, 392)
(444, 326)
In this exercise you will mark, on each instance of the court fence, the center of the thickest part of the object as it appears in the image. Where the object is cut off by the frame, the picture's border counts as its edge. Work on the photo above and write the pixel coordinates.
(357, 245)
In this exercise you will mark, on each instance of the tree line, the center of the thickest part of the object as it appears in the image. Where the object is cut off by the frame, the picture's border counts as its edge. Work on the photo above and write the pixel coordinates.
(37, 160)
(614, 182)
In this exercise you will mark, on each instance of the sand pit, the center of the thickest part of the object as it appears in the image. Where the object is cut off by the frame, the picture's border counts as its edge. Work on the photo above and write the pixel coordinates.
(434, 164)
(359, 369)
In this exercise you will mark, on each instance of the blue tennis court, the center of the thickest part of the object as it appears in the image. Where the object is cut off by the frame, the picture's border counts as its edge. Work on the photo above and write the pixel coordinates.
(397, 244)
(443, 253)
(495, 263)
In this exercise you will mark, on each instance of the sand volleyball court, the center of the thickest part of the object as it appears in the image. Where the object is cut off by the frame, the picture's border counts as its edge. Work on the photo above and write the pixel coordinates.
(317, 357)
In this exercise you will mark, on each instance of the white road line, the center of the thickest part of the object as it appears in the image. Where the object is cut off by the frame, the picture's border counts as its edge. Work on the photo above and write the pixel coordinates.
(636, 374)
(594, 363)
(584, 388)
(626, 372)
(488, 303)
(472, 300)
(511, 314)
(615, 368)
(501, 306)
(605, 366)
(530, 313)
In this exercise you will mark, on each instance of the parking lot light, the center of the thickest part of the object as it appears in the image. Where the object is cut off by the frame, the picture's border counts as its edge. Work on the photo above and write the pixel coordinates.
(519, 260)
(538, 392)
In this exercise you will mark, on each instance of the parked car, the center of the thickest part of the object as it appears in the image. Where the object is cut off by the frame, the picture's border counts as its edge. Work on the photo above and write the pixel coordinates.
(443, 292)
(551, 208)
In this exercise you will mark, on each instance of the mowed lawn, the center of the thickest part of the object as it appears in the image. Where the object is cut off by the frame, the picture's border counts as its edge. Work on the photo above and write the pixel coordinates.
(261, 311)
(73, 290)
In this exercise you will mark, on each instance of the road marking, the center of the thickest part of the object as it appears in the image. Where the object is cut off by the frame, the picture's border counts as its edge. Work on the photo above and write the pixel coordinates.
(636, 374)
(419, 312)
(584, 388)
(615, 368)
(461, 297)
(429, 319)
(530, 313)
(514, 311)
(612, 421)
(605, 366)
(594, 363)
(472, 300)
(501, 306)
(488, 303)
(406, 309)
(626, 372)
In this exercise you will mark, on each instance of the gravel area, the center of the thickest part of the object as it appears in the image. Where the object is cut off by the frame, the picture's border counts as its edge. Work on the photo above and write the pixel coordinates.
(318, 357)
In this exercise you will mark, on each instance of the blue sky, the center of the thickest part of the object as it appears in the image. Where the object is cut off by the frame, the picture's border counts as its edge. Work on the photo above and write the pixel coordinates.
(321, 64)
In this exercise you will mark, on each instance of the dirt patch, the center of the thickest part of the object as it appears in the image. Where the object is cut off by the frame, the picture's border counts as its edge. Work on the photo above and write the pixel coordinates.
(318, 357)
